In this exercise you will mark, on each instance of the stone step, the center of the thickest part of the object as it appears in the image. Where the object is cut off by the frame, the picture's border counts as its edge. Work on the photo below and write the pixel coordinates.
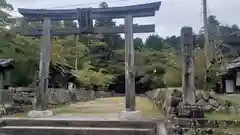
(49, 130)
(78, 123)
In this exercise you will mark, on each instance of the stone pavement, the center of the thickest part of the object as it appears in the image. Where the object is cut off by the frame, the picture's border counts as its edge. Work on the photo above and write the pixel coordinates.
(106, 109)
(105, 125)
(96, 117)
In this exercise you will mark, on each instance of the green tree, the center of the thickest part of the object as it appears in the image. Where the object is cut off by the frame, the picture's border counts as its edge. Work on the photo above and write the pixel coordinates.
(154, 42)
(97, 80)
(173, 41)
(4, 6)
(138, 43)
(172, 76)
(200, 64)
(26, 54)
(114, 41)
(69, 24)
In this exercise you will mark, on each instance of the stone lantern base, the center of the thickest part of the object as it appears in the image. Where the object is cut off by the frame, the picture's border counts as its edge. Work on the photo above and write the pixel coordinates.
(40, 114)
(130, 115)
(190, 111)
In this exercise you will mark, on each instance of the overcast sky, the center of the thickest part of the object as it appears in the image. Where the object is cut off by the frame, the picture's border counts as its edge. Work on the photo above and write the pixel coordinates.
(173, 14)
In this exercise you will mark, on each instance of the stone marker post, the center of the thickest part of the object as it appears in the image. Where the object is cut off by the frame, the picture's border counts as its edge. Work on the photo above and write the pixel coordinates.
(188, 76)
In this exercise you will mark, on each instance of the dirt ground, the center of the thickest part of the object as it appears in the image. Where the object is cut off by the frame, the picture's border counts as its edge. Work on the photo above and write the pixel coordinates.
(108, 106)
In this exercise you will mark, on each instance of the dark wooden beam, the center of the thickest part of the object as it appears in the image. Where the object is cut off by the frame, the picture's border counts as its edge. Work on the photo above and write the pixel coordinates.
(95, 16)
(134, 8)
(96, 30)
(142, 10)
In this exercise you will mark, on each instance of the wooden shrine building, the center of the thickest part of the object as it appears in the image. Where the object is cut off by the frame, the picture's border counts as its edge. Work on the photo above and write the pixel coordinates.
(61, 76)
(230, 79)
(6, 65)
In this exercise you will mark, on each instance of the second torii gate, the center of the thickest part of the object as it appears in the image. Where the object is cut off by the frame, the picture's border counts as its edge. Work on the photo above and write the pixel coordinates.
(85, 20)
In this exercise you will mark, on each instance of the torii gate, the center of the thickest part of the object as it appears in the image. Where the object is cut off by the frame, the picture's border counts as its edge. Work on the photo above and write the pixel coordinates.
(85, 20)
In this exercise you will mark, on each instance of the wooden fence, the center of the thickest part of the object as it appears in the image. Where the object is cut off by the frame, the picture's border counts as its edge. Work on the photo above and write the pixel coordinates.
(6, 96)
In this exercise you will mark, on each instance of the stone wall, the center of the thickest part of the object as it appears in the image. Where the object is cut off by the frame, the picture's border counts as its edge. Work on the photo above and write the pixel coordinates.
(162, 99)
(24, 98)
(169, 99)
(104, 94)
(211, 103)
(58, 96)
(83, 95)
(63, 96)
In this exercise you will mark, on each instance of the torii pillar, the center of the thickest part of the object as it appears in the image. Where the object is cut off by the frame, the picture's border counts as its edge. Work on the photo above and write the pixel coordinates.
(130, 93)
(44, 64)
(129, 65)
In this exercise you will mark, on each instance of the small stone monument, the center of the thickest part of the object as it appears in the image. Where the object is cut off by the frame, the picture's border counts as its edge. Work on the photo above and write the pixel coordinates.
(188, 107)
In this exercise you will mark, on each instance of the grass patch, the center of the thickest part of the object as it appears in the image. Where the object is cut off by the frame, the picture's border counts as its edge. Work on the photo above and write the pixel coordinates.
(234, 98)
(222, 116)
(18, 115)
(109, 105)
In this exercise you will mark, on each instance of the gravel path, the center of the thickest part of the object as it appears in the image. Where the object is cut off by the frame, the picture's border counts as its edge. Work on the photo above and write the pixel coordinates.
(108, 107)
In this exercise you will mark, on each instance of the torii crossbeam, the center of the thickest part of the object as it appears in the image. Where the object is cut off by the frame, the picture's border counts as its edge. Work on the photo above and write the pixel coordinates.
(85, 20)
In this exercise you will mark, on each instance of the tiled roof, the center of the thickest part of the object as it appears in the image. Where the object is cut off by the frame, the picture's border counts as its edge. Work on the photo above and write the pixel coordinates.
(6, 63)
(233, 64)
